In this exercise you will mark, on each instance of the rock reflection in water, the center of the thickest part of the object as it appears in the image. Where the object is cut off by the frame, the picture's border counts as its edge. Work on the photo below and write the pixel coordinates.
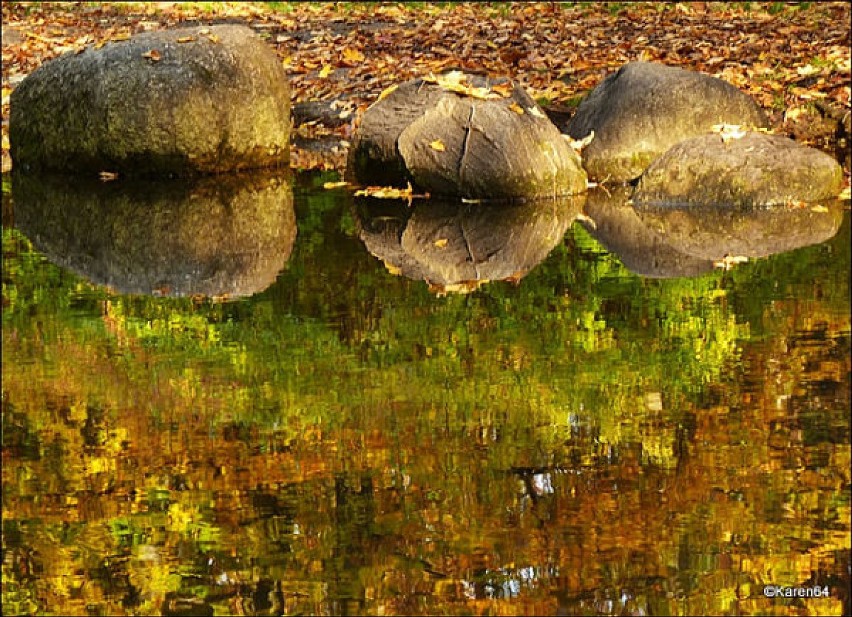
(642, 250)
(456, 247)
(220, 236)
(722, 230)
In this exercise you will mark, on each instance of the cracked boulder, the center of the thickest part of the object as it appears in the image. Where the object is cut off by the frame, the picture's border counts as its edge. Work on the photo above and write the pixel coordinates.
(644, 108)
(463, 135)
(742, 169)
(176, 102)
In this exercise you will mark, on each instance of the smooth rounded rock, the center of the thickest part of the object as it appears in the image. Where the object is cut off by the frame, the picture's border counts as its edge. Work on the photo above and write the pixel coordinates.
(176, 102)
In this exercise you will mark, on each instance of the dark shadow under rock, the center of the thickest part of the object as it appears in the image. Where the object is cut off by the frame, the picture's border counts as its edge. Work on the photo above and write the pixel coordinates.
(224, 236)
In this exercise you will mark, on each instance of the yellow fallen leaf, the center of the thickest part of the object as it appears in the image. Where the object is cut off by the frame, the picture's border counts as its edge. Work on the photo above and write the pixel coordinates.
(517, 109)
(395, 270)
(846, 193)
(819, 208)
(213, 38)
(334, 185)
(387, 92)
(437, 145)
(441, 243)
(325, 71)
(353, 55)
(186, 39)
(152, 54)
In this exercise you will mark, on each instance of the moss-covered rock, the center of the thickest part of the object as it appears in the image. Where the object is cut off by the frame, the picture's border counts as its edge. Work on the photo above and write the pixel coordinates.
(176, 102)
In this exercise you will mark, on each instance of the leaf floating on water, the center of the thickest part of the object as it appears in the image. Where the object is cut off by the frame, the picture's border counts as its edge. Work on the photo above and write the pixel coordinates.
(729, 261)
(517, 109)
(437, 145)
(729, 131)
(152, 54)
(441, 243)
(108, 176)
(334, 185)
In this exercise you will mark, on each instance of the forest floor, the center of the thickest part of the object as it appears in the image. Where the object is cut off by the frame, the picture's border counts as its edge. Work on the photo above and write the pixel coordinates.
(793, 59)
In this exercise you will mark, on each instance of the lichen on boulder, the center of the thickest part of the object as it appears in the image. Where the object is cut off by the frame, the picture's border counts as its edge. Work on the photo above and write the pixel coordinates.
(174, 102)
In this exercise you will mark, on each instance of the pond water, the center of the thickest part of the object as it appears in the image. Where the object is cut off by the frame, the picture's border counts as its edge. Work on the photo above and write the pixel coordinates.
(245, 398)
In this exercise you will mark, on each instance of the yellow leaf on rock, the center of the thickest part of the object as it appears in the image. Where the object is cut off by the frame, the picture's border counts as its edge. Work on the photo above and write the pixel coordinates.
(441, 243)
(152, 55)
(505, 89)
(517, 109)
(437, 145)
(535, 111)
(186, 39)
(387, 91)
(819, 208)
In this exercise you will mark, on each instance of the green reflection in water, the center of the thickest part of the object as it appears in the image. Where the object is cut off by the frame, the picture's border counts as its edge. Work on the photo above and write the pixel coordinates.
(585, 440)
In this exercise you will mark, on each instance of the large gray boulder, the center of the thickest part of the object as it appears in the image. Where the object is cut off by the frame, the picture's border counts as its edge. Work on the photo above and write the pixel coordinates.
(177, 102)
(458, 247)
(484, 138)
(752, 169)
(223, 236)
(643, 109)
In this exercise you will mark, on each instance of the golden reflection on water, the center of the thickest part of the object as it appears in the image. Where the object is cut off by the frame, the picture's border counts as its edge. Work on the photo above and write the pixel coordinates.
(557, 447)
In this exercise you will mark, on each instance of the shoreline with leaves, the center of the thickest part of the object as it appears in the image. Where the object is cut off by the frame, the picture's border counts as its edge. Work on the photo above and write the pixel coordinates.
(794, 60)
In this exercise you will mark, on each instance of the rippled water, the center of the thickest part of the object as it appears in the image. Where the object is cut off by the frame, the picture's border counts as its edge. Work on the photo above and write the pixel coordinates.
(263, 397)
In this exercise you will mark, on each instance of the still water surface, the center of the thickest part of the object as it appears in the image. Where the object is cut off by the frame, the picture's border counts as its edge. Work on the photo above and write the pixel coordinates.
(573, 416)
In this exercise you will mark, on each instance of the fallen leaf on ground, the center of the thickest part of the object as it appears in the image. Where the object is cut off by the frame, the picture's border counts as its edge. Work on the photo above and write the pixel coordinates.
(437, 145)
(152, 55)
(441, 243)
(729, 261)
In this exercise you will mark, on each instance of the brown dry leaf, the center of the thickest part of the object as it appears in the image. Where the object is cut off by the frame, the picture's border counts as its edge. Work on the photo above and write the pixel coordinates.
(505, 89)
(107, 176)
(152, 54)
(437, 145)
(386, 192)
